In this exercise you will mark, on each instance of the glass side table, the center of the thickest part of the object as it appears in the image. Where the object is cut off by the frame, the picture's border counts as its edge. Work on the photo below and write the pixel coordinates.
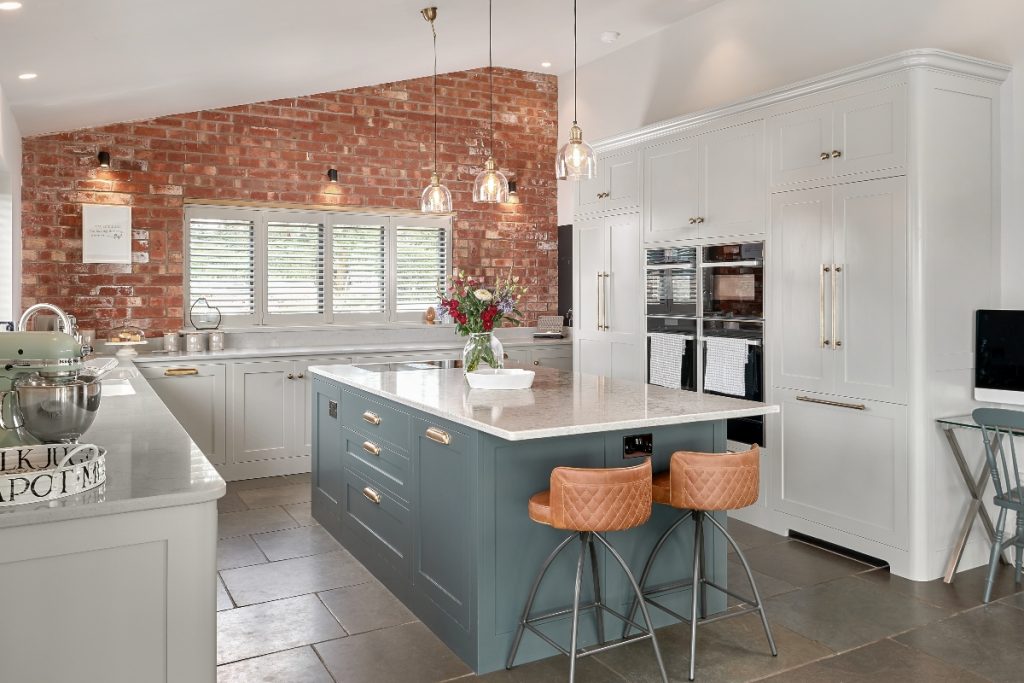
(976, 486)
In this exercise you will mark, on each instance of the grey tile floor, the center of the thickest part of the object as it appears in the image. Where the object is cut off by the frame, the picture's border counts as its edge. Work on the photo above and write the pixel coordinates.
(296, 607)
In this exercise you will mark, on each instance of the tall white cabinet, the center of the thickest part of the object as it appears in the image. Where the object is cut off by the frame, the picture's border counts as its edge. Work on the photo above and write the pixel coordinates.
(877, 192)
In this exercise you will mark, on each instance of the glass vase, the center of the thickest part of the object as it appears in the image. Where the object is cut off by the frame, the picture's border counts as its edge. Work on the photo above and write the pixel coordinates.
(482, 350)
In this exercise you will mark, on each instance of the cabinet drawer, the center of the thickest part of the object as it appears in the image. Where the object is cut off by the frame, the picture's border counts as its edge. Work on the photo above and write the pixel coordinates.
(378, 518)
(378, 421)
(387, 466)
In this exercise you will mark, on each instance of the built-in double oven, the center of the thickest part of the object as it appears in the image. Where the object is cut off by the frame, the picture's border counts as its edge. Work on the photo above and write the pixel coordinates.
(705, 321)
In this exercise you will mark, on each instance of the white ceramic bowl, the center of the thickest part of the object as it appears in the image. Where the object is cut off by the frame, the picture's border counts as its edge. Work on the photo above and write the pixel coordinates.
(490, 378)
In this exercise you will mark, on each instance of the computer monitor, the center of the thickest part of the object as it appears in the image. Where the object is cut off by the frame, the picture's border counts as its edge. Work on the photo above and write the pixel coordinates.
(999, 356)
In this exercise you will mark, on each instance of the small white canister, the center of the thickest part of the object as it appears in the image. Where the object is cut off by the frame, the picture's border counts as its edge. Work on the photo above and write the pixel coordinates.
(216, 340)
(194, 342)
(171, 341)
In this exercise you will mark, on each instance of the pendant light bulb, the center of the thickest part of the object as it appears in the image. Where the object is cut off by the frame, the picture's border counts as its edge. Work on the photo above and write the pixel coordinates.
(576, 159)
(491, 185)
(436, 197)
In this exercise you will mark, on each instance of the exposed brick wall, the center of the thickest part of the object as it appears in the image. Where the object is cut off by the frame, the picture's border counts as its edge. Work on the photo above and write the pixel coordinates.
(379, 139)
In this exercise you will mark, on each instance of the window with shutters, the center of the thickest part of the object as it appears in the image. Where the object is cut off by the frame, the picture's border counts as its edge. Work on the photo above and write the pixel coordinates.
(277, 267)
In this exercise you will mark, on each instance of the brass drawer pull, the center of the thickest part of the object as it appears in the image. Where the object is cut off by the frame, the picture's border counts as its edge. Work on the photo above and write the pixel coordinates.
(536, 362)
(180, 372)
(825, 156)
(371, 495)
(371, 448)
(371, 417)
(438, 435)
(834, 404)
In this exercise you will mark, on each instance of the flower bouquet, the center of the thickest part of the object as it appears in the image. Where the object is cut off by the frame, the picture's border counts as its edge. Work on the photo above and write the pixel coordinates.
(476, 311)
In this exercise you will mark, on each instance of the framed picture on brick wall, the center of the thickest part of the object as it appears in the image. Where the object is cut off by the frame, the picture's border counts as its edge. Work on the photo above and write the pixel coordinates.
(106, 233)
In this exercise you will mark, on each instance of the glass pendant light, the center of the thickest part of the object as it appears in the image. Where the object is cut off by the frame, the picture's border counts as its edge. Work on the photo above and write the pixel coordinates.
(491, 185)
(436, 197)
(576, 159)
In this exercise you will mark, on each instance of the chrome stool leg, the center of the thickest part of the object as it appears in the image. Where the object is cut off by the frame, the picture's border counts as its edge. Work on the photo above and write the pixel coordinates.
(643, 605)
(695, 595)
(599, 612)
(649, 565)
(703, 572)
(584, 542)
(753, 586)
(533, 594)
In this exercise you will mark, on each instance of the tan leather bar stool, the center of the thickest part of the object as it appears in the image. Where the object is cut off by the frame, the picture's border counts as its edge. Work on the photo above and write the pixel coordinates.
(701, 483)
(587, 502)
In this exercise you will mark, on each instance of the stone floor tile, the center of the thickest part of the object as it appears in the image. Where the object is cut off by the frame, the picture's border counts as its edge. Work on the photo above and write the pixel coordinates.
(1015, 600)
(408, 654)
(223, 599)
(966, 591)
(300, 665)
(239, 551)
(985, 640)
(301, 513)
(300, 542)
(288, 578)
(800, 564)
(553, 670)
(253, 522)
(882, 662)
(748, 536)
(727, 651)
(230, 502)
(277, 495)
(767, 586)
(848, 613)
(274, 626)
(366, 607)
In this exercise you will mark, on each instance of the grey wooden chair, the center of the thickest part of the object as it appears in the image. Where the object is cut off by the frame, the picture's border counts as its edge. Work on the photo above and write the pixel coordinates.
(998, 426)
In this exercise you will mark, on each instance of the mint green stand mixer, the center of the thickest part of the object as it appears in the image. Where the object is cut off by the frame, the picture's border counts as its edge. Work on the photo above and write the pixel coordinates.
(50, 359)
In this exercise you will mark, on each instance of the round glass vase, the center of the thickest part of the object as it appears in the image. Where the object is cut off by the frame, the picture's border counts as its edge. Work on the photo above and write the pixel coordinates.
(482, 350)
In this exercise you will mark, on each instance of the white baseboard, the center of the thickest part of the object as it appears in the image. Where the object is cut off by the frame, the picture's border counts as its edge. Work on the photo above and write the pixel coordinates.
(265, 468)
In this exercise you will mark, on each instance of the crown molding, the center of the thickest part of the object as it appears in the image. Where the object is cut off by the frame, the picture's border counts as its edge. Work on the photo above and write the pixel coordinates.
(931, 59)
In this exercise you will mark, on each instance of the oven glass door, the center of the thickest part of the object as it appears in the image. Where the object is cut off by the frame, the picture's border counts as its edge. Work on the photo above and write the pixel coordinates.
(733, 282)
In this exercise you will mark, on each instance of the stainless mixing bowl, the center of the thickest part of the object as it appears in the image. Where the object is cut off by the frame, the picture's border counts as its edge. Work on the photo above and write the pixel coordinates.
(58, 410)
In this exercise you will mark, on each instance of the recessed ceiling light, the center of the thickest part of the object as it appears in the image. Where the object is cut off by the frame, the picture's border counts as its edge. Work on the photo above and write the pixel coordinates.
(8, 6)
(610, 36)
(546, 65)
(27, 77)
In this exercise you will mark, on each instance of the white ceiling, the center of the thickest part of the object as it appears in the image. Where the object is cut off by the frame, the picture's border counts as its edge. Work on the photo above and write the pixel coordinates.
(101, 61)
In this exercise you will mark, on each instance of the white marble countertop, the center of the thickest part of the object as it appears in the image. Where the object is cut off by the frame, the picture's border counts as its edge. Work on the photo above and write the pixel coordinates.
(151, 461)
(333, 350)
(558, 404)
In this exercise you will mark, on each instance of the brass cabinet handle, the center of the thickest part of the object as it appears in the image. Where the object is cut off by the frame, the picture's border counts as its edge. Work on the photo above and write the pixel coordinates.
(301, 375)
(536, 362)
(834, 404)
(371, 495)
(439, 435)
(180, 372)
(600, 323)
(836, 154)
(372, 418)
(371, 448)
(604, 302)
(700, 219)
(822, 342)
(291, 376)
(693, 221)
(836, 269)
(825, 156)
(505, 356)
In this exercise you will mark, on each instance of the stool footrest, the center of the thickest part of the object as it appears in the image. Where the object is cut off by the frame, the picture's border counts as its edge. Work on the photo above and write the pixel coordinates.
(611, 645)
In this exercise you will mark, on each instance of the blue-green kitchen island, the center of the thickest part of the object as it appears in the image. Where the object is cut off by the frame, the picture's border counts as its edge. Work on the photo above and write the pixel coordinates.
(426, 482)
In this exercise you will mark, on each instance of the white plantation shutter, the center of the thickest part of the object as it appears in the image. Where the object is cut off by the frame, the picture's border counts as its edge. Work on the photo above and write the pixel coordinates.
(295, 268)
(359, 257)
(421, 266)
(222, 264)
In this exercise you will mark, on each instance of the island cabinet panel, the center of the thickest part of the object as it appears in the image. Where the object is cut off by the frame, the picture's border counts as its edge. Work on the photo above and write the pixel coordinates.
(328, 479)
(444, 517)
(378, 520)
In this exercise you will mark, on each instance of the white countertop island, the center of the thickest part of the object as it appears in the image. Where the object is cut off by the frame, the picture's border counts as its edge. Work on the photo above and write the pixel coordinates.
(558, 403)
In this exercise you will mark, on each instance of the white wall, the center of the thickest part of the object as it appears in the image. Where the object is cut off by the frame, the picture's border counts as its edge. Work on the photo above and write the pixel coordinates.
(10, 212)
(739, 48)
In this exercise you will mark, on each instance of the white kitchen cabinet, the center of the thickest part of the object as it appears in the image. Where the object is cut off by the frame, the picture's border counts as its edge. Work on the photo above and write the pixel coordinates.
(858, 134)
(265, 409)
(609, 336)
(844, 465)
(615, 187)
(195, 393)
(707, 186)
(840, 274)
(558, 357)
(304, 386)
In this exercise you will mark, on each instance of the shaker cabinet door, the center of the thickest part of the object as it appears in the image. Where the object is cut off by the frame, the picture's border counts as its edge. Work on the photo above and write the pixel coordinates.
(870, 132)
(671, 194)
(589, 264)
(263, 411)
(798, 140)
(871, 338)
(801, 250)
(623, 286)
(196, 396)
(733, 182)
